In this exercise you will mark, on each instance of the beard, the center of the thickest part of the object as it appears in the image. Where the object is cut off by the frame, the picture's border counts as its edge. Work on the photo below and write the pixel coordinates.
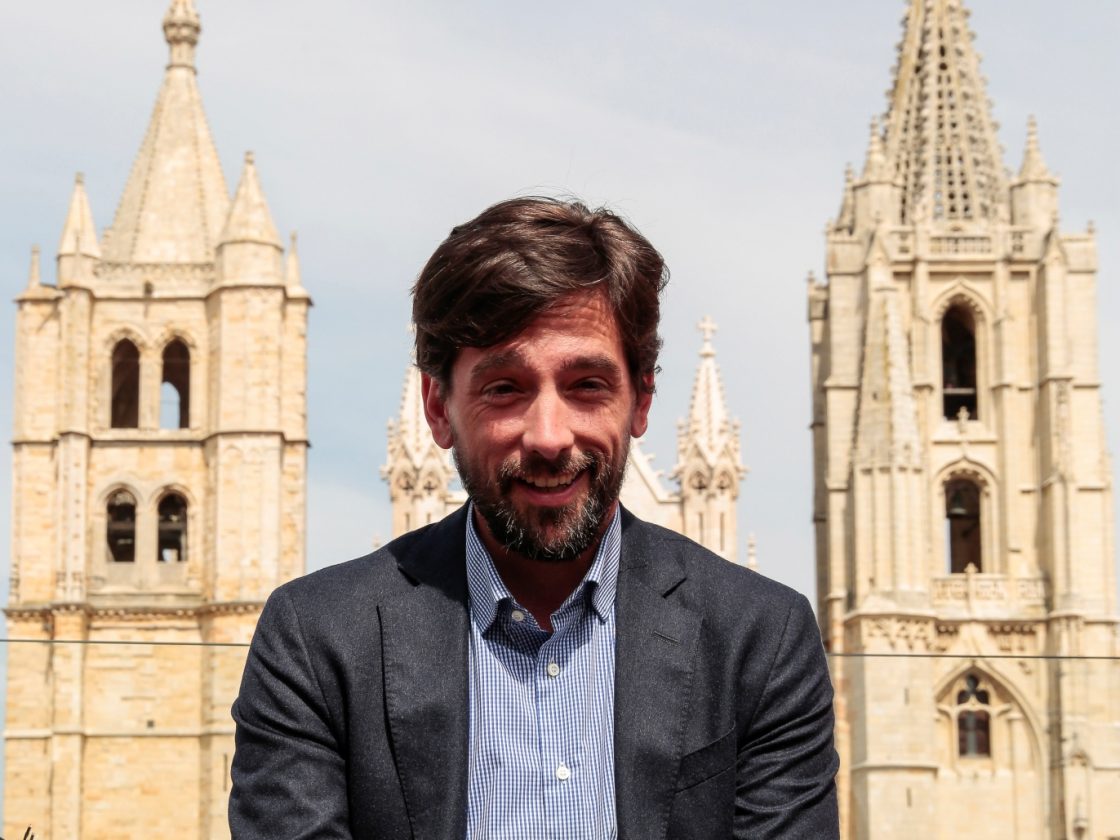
(548, 534)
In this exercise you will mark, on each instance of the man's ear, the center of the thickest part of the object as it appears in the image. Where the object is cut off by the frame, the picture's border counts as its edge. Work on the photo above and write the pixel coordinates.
(639, 422)
(435, 411)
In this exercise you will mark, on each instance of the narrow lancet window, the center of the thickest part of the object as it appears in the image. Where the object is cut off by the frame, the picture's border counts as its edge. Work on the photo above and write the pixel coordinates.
(125, 412)
(958, 363)
(172, 529)
(175, 387)
(973, 720)
(120, 529)
(962, 525)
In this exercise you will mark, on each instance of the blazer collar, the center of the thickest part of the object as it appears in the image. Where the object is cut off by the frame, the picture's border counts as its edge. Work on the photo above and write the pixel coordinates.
(424, 638)
(654, 661)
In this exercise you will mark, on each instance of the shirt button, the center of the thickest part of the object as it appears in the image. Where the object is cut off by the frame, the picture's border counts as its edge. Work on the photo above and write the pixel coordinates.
(563, 773)
(517, 616)
(553, 669)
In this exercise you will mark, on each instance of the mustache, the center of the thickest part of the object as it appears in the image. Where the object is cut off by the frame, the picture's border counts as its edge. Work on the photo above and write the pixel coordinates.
(537, 466)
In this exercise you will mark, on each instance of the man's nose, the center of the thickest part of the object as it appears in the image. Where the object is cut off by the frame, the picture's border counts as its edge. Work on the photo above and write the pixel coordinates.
(548, 426)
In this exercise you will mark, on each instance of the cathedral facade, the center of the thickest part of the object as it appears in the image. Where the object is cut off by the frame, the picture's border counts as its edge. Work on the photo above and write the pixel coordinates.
(963, 493)
(701, 503)
(158, 379)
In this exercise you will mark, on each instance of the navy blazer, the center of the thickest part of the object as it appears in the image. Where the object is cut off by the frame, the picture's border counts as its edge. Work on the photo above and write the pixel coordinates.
(352, 715)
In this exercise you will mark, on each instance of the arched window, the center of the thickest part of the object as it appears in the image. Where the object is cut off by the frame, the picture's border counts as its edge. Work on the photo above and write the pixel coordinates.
(125, 412)
(120, 528)
(962, 525)
(958, 362)
(175, 387)
(973, 719)
(172, 529)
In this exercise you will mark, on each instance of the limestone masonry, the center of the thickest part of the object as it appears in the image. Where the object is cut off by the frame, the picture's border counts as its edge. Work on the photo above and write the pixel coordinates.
(159, 477)
(963, 502)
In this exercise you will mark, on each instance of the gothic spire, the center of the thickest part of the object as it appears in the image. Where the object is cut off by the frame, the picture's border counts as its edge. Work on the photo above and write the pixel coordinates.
(176, 197)
(846, 218)
(292, 277)
(941, 139)
(249, 218)
(708, 434)
(708, 421)
(34, 272)
(1034, 167)
(875, 165)
(79, 235)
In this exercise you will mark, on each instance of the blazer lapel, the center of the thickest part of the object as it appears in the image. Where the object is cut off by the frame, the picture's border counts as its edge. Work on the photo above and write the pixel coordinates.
(424, 637)
(654, 660)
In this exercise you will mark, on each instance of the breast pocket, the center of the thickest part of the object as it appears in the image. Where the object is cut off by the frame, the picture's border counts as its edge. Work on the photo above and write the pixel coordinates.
(708, 761)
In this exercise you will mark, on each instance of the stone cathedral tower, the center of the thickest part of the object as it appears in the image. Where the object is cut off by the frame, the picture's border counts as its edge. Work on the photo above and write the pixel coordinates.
(423, 485)
(158, 496)
(963, 504)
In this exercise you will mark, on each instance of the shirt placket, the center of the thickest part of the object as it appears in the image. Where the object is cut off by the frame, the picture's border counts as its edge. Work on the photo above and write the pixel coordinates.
(558, 710)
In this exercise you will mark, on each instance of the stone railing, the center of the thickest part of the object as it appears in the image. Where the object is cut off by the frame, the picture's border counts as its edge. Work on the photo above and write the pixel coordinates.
(951, 244)
(979, 592)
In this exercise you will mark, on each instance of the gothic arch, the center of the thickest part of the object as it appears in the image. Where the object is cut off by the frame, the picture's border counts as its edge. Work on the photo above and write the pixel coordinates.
(968, 470)
(962, 292)
(178, 364)
(1008, 697)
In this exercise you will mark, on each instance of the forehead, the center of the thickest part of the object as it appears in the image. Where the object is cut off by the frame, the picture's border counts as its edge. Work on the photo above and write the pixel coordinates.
(579, 326)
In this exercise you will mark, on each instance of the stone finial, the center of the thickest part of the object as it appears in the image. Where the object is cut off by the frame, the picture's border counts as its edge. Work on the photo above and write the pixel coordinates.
(752, 552)
(1034, 167)
(34, 274)
(846, 219)
(874, 168)
(79, 236)
(181, 28)
(707, 329)
(291, 264)
(249, 218)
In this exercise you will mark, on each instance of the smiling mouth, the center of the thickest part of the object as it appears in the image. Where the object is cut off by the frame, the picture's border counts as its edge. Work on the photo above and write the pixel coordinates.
(551, 482)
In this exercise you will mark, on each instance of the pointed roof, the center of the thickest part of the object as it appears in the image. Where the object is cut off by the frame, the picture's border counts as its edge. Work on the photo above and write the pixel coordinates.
(941, 139)
(249, 218)
(875, 165)
(887, 420)
(176, 198)
(708, 419)
(79, 235)
(1034, 167)
(411, 428)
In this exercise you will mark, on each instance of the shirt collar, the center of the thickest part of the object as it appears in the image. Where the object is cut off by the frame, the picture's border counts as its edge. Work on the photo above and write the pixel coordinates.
(486, 589)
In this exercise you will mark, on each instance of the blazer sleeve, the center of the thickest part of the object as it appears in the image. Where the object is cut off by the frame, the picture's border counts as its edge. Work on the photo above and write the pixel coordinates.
(289, 775)
(787, 765)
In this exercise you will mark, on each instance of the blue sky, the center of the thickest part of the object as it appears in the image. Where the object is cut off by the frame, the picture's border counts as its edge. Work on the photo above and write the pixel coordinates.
(721, 132)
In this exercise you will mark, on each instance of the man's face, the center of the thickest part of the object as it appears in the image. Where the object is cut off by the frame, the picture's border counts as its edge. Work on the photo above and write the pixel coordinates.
(540, 428)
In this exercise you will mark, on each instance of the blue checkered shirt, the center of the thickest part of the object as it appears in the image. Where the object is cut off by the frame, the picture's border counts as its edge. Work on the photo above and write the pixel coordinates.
(542, 706)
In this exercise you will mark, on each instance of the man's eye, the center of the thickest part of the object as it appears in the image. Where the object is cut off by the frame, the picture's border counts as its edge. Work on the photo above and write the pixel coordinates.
(591, 385)
(499, 389)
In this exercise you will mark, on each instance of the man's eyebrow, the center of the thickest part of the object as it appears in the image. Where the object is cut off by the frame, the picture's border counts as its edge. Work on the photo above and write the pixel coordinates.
(509, 358)
(593, 362)
(506, 358)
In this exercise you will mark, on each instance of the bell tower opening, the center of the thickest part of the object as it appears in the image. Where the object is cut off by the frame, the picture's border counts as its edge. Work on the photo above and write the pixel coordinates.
(958, 363)
(125, 386)
(120, 530)
(175, 387)
(172, 529)
(962, 525)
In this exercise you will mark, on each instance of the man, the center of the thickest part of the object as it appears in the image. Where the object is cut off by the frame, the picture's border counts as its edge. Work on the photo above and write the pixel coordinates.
(539, 664)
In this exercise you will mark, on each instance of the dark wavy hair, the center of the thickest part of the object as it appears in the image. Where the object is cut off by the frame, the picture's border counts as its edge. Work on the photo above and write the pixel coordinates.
(494, 274)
